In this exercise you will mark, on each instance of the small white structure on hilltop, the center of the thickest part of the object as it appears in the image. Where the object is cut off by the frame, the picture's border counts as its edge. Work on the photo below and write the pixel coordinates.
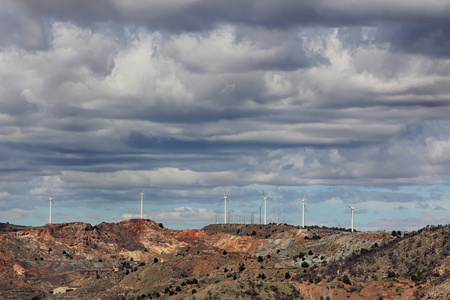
(225, 200)
(265, 207)
(352, 208)
(62, 290)
(50, 199)
(142, 203)
(303, 211)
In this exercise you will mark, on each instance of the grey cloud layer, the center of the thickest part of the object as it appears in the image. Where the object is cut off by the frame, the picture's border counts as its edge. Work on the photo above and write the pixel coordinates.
(116, 94)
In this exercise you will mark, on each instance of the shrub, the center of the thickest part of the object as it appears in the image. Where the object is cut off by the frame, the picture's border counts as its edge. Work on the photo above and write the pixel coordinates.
(155, 260)
(390, 274)
(317, 279)
(241, 267)
(260, 258)
(193, 281)
(287, 275)
(345, 279)
(178, 289)
(194, 291)
(253, 232)
(305, 264)
(419, 277)
(310, 252)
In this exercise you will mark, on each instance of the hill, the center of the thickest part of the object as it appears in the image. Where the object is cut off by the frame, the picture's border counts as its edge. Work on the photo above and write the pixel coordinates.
(140, 259)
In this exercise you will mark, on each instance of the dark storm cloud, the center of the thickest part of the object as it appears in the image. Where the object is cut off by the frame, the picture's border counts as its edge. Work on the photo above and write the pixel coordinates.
(197, 15)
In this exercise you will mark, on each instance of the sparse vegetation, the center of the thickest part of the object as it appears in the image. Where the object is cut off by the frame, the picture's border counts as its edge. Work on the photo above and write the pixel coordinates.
(391, 262)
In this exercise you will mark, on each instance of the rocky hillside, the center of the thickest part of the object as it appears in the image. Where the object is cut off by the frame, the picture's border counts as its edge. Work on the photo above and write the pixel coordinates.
(140, 259)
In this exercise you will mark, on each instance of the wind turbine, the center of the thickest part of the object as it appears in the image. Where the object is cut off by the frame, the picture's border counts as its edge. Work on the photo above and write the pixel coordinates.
(142, 203)
(50, 199)
(265, 207)
(303, 211)
(352, 208)
(225, 200)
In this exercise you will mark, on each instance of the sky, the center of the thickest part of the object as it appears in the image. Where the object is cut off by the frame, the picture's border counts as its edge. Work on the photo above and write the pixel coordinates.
(347, 101)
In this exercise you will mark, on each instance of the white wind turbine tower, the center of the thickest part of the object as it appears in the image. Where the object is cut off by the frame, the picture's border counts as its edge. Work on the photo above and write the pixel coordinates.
(303, 211)
(265, 207)
(225, 200)
(50, 199)
(142, 203)
(352, 208)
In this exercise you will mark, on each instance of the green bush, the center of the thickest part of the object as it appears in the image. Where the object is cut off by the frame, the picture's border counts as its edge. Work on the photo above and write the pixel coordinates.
(345, 279)
(390, 274)
(241, 267)
(419, 277)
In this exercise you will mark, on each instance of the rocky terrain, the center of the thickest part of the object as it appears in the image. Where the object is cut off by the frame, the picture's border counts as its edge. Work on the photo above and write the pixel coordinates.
(140, 259)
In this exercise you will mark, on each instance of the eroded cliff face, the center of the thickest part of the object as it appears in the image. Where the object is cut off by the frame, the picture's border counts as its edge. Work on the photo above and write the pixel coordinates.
(136, 257)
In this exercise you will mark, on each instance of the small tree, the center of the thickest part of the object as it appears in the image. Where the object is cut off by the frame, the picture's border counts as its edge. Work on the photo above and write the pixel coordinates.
(305, 264)
(345, 279)
(241, 267)
(155, 260)
(390, 274)
(287, 275)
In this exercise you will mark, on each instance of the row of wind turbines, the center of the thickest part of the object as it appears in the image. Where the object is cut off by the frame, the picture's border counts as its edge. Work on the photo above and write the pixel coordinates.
(50, 200)
(225, 200)
(303, 200)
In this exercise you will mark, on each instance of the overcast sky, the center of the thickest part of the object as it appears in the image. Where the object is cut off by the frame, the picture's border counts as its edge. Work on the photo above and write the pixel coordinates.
(345, 100)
